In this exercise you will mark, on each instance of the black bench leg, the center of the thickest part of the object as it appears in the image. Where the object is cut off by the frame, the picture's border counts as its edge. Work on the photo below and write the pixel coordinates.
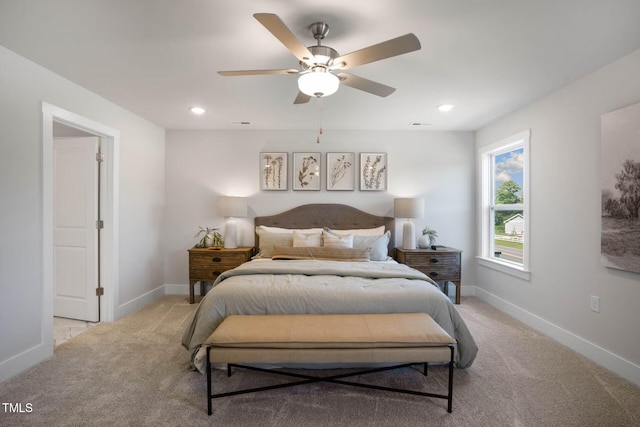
(209, 408)
(450, 394)
(425, 372)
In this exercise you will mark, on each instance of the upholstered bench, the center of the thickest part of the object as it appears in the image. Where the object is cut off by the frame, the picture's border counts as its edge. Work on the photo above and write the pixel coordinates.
(400, 339)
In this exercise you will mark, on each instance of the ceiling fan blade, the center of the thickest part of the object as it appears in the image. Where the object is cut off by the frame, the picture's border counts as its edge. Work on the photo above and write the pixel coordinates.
(366, 85)
(398, 46)
(257, 72)
(276, 27)
(302, 98)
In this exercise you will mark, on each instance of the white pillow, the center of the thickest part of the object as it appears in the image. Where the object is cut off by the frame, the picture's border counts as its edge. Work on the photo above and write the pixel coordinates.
(287, 230)
(305, 240)
(377, 231)
(332, 241)
(270, 240)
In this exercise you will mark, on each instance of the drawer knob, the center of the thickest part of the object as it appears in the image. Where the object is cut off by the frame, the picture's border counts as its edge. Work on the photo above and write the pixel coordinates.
(433, 274)
(216, 259)
(434, 260)
(215, 273)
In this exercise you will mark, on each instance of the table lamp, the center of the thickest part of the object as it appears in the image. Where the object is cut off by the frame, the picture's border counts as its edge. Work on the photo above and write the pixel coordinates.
(230, 207)
(408, 208)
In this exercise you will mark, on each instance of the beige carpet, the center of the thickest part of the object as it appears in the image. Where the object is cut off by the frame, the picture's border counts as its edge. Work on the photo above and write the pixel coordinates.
(134, 372)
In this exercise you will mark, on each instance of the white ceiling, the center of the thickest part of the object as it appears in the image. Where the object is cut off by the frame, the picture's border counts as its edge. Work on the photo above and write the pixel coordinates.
(157, 58)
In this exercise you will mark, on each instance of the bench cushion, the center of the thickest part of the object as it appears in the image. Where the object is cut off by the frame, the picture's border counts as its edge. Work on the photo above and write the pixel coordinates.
(330, 331)
(330, 338)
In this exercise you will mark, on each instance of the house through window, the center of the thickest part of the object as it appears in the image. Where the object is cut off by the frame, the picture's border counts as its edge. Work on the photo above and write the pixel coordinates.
(505, 202)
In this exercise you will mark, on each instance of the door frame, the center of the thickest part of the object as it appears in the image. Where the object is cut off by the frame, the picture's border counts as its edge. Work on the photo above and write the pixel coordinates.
(109, 252)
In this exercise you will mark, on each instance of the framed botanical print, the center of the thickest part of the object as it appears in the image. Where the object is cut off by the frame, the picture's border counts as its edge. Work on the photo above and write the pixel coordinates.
(373, 171)
(341, 171)
(273, 171)
(306, 171)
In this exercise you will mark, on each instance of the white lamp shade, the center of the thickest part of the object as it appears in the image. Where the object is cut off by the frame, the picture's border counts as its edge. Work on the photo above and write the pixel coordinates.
(408, 208)
(232, 206)
(318, 83)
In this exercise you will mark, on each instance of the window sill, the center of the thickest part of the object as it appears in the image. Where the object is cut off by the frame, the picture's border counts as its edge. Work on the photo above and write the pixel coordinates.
(504, 267)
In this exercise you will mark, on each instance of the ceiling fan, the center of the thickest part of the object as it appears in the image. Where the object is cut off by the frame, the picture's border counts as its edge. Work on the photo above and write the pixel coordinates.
(322, 68)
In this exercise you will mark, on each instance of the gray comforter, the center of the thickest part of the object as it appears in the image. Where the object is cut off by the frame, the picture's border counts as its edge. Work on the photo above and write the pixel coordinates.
(301, 286)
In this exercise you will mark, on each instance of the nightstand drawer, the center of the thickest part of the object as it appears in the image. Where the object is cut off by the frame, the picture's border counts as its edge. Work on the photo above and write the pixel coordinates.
(433, 260)
(439, 273)
(436, 266)
(225, 260)
(206, 273)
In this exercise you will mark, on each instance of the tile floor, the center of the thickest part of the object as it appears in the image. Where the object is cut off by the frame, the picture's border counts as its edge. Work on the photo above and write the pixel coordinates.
(64, 329)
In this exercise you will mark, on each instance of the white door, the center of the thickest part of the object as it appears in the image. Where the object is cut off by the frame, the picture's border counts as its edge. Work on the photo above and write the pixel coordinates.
(75, 237)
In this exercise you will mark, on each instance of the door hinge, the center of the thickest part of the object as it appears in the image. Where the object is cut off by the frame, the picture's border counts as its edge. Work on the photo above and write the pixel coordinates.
(99, 292)
(99, 157)
(99, 224)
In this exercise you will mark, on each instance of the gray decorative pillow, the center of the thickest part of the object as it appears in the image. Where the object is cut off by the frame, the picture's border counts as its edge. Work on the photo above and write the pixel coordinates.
(378, 245)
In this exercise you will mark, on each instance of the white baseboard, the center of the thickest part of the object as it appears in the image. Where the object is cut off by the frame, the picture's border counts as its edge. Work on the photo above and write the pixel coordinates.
(468, 291)
(603, 357)
(174, 289)
(139, 302)
(25, 360)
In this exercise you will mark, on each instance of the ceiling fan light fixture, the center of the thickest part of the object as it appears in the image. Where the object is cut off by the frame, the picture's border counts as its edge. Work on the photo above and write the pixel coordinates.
(319, 82)
(317, 62)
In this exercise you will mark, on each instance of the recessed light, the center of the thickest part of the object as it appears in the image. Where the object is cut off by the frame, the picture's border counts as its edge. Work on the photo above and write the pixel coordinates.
(445, 107)
(197, 110)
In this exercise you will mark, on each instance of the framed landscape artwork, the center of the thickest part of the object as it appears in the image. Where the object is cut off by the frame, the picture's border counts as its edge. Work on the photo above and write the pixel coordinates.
(273, 171)
(306, 171)
(620, 184)
(373, 171)
(341, 171)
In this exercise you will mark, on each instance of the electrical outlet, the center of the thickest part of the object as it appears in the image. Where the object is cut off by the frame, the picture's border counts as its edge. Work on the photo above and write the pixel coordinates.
(595, 303)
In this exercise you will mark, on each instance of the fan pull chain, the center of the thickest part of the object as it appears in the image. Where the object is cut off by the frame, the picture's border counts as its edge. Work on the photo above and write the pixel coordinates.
(319, 120)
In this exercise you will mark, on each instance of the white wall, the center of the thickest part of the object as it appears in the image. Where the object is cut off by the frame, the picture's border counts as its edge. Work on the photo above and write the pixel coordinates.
(565, 183)
(201, 165)
(23, 87)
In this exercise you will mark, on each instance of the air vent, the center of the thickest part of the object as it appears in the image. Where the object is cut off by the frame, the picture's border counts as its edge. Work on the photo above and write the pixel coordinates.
(416, 124)
(241, 123)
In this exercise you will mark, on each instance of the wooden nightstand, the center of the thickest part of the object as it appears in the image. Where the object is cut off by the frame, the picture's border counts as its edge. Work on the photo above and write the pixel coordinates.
(206, 264)
(441, 264)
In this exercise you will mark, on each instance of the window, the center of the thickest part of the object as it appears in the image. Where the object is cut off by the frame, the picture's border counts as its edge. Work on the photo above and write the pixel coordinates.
(505, 205)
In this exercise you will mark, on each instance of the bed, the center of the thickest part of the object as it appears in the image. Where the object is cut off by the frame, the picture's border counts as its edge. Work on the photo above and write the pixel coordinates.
(348, 269)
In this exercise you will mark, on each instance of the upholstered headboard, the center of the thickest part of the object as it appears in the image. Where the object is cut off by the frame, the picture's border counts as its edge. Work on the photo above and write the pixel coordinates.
(328, 215)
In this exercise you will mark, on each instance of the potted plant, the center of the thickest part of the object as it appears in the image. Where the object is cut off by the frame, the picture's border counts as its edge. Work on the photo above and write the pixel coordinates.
(210, 237)
(428, 238)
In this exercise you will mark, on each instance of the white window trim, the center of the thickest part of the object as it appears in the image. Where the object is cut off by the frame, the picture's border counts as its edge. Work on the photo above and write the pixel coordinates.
(485, 154)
